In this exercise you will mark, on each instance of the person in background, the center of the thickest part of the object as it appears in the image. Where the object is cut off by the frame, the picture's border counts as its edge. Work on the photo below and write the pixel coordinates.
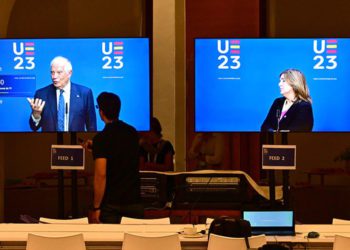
(207, 149)
(62, 105)
(116, 173)
(293, 111)
(156, 154)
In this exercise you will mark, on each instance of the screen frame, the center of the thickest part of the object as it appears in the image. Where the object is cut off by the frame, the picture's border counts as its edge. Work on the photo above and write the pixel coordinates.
(197, 130)
(150, 77)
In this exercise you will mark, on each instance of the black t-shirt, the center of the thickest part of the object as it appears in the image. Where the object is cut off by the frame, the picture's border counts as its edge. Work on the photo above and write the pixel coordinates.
(118, 143)
(161, 148)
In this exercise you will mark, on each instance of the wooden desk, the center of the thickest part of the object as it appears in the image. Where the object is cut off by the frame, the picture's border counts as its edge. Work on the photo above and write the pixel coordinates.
(99, 236)
(325, 241)
(96, 236)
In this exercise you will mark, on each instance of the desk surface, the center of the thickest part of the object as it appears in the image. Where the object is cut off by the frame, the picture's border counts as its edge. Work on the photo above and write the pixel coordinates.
(93, 232)
(112, 235)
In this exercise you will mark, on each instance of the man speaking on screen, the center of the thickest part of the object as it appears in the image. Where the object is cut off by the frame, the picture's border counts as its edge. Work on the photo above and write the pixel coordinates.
(62, 105)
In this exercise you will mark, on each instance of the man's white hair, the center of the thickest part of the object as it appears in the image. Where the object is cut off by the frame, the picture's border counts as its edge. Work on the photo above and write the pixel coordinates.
(60, 60)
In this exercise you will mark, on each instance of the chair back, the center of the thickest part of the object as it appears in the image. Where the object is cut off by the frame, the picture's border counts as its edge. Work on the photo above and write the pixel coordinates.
(257, 241)
(336, 221)
(341, 242)
(208, 221)
(83, 220)
(40, 242)
(134, 221)
(222, 242)
(161, 242)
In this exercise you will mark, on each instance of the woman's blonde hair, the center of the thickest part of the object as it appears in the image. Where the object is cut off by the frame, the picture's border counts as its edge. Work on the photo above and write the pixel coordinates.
(297, 81)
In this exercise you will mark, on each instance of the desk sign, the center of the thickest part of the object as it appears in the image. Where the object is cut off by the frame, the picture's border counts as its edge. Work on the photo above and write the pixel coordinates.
(67, 157)
(279, 157)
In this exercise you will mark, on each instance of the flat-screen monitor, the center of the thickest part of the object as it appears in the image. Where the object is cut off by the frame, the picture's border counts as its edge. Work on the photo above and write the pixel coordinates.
(271, 222)
(117, 65)
(236, 81)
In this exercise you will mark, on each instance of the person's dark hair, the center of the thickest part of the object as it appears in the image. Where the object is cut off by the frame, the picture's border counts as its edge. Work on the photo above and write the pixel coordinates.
(156, 127)
(110, 104)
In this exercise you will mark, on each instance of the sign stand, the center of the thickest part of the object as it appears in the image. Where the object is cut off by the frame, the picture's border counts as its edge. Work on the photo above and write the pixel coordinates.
(67, 157)
(279, 157)
(60, 184)
(74, 180)
(272, 185)
(285, 176)
(272, 179)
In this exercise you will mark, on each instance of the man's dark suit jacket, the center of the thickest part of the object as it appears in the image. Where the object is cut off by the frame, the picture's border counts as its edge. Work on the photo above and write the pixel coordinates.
(82, 115)
(299, 117)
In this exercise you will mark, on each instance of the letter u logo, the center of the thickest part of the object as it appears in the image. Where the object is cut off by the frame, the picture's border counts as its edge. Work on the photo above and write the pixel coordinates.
(15, 49)
(319, 50)
(110, 48)
(225, 49)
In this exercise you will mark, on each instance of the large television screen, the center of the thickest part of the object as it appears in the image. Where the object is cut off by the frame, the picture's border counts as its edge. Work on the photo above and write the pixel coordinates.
(117, 65)
(237, 81)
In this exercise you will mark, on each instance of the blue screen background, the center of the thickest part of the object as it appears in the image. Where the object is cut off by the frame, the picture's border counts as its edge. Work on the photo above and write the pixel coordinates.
(238, 100)
(269, 219)
(131, 82)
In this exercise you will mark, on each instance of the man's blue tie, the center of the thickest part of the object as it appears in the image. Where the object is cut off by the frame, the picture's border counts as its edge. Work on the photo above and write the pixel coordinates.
(60, 112)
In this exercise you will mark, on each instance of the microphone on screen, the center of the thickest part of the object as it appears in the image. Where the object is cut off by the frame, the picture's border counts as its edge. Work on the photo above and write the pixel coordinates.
(66, 117)
(278, 114)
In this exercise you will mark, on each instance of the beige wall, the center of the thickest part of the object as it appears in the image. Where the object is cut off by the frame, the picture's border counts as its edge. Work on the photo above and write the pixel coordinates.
(169, 73)
(164, 65)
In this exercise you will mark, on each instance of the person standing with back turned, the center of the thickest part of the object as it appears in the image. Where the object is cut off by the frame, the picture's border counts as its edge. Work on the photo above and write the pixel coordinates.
(115, 152)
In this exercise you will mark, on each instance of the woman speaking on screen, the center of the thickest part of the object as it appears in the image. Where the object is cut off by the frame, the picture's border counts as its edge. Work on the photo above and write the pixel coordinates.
(293, 111)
